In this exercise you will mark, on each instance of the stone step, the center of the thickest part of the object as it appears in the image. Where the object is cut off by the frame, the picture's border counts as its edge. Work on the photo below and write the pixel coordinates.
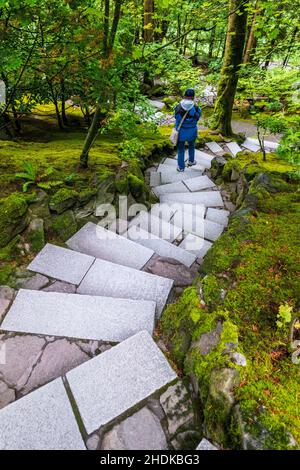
(214, 147)
(219, 216)
(163, 211)
(172, 169)
(119, 380)
(42, 420)
(161, 247)
(113, 280)
(178, 187)
(199, 183)
(207, 198)
(170, 176)
(268, 143)
(196, 245)
(78, 316)
(203, 158)
(234, 148)
(249, 145)
(159, 227)
(195, 223)
(61, 263)
(98, 242)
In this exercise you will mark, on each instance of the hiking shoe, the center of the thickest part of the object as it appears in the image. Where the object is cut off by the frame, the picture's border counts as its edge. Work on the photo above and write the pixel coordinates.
(192, 163)
(181, 170)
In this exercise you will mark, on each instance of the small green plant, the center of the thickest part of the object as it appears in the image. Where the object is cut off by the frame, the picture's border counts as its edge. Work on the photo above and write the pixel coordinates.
(132, 148)
(32, 177)
(268, 125)
(284, 316)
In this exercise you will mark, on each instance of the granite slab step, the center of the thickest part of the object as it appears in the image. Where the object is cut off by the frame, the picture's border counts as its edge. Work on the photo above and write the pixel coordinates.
(268, 143)
(163, 211)
(214, 147)
(170, 161)
(172, 169)
(113, 280)
(159, 227)
(219, 216)
(161, 247)
(199, 183)
(195, 245)
(98, 242)
(171, 176)
(42, 420)
(234, 148)
(249, 145)
(61, 263)
(177, 187)
(78, 316)
(119, 380)
(207, 198)
(196, 224)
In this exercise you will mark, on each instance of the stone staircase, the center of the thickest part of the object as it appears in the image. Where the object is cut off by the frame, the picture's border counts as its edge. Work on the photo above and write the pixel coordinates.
(100, 296)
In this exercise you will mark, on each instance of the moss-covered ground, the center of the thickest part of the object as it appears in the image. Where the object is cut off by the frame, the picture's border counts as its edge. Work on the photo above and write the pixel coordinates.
(256, 265)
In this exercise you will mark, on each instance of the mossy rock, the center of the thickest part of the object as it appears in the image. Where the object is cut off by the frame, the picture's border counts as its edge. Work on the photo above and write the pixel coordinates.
(64, 225)
(13, 217)
(138, 188)
(9, 252)
(36, 235)
(86, 195)
(6, 271)
(62, 200)
(39, 206)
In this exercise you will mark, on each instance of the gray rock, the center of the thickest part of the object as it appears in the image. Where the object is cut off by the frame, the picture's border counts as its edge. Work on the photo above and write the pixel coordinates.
(114, 382)
(7, 293)
(239, 359)
(207, 198)
(112, 280)
(140, 431)
(7, 395)
(36, 282)
(60, 286)
(74, 316)
(60, 263)
(171, 269)
(206, 445)
(219, 216)
(178, 408)
(208, 341)
(4, 304)
(155, 179)
(156, 408)
(22, 353)
(96, 241)
(43, 420)
(35, 235)
(93, 442)
(58, 358)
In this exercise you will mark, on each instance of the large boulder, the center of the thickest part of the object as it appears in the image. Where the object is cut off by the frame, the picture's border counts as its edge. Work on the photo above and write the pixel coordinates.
(13, 217)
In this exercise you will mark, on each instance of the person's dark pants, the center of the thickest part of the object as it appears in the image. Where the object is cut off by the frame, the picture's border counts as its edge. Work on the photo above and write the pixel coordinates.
(181, 152)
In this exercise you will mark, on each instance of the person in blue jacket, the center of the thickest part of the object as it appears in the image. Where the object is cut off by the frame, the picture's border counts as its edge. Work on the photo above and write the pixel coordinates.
(188, 130)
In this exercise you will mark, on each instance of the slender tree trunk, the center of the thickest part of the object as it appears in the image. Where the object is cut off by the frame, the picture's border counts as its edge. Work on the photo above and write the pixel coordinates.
(251, 41)
(148, 20)
(63, 103)
(235, 41)
(212, 43)
(292, 42)
(115, 23)
(58, 116)
(106, 27)
(91, 136)
(178, 31)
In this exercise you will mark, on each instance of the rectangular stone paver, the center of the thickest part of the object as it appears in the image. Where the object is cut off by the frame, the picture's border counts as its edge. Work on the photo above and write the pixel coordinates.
(61, 263)
(173, 176)
(268, 143)
(207, 198)
(161, 247)
(170, 161)
(196, 245)
(199, 183)
(220, 216)
(155, 179)
(172, 169)
(42, 420)
(113, 280)
(234, 148)
(163, 211)
(78, 316)
(212, 230)
(214, 147)
(116, 381)
(159, 227)
(96, 241)
(249, 145)
(178, 187)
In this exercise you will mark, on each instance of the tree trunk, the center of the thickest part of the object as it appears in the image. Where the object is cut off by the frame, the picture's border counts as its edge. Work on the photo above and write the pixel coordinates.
(63, 103)
(235, 41)
(91, 136)
(115, 23)
(58, 116)
(148, 20)
(212, 43)
(251, 41)
(106, 28)
(292, 42)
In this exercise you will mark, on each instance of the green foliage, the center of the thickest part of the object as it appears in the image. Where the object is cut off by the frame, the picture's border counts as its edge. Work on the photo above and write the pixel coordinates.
(132, 149)
(284, 316)
(31, 174)
(289, 148)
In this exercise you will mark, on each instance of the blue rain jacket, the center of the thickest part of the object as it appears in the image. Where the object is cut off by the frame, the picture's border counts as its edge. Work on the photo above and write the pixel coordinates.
(188, 131)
